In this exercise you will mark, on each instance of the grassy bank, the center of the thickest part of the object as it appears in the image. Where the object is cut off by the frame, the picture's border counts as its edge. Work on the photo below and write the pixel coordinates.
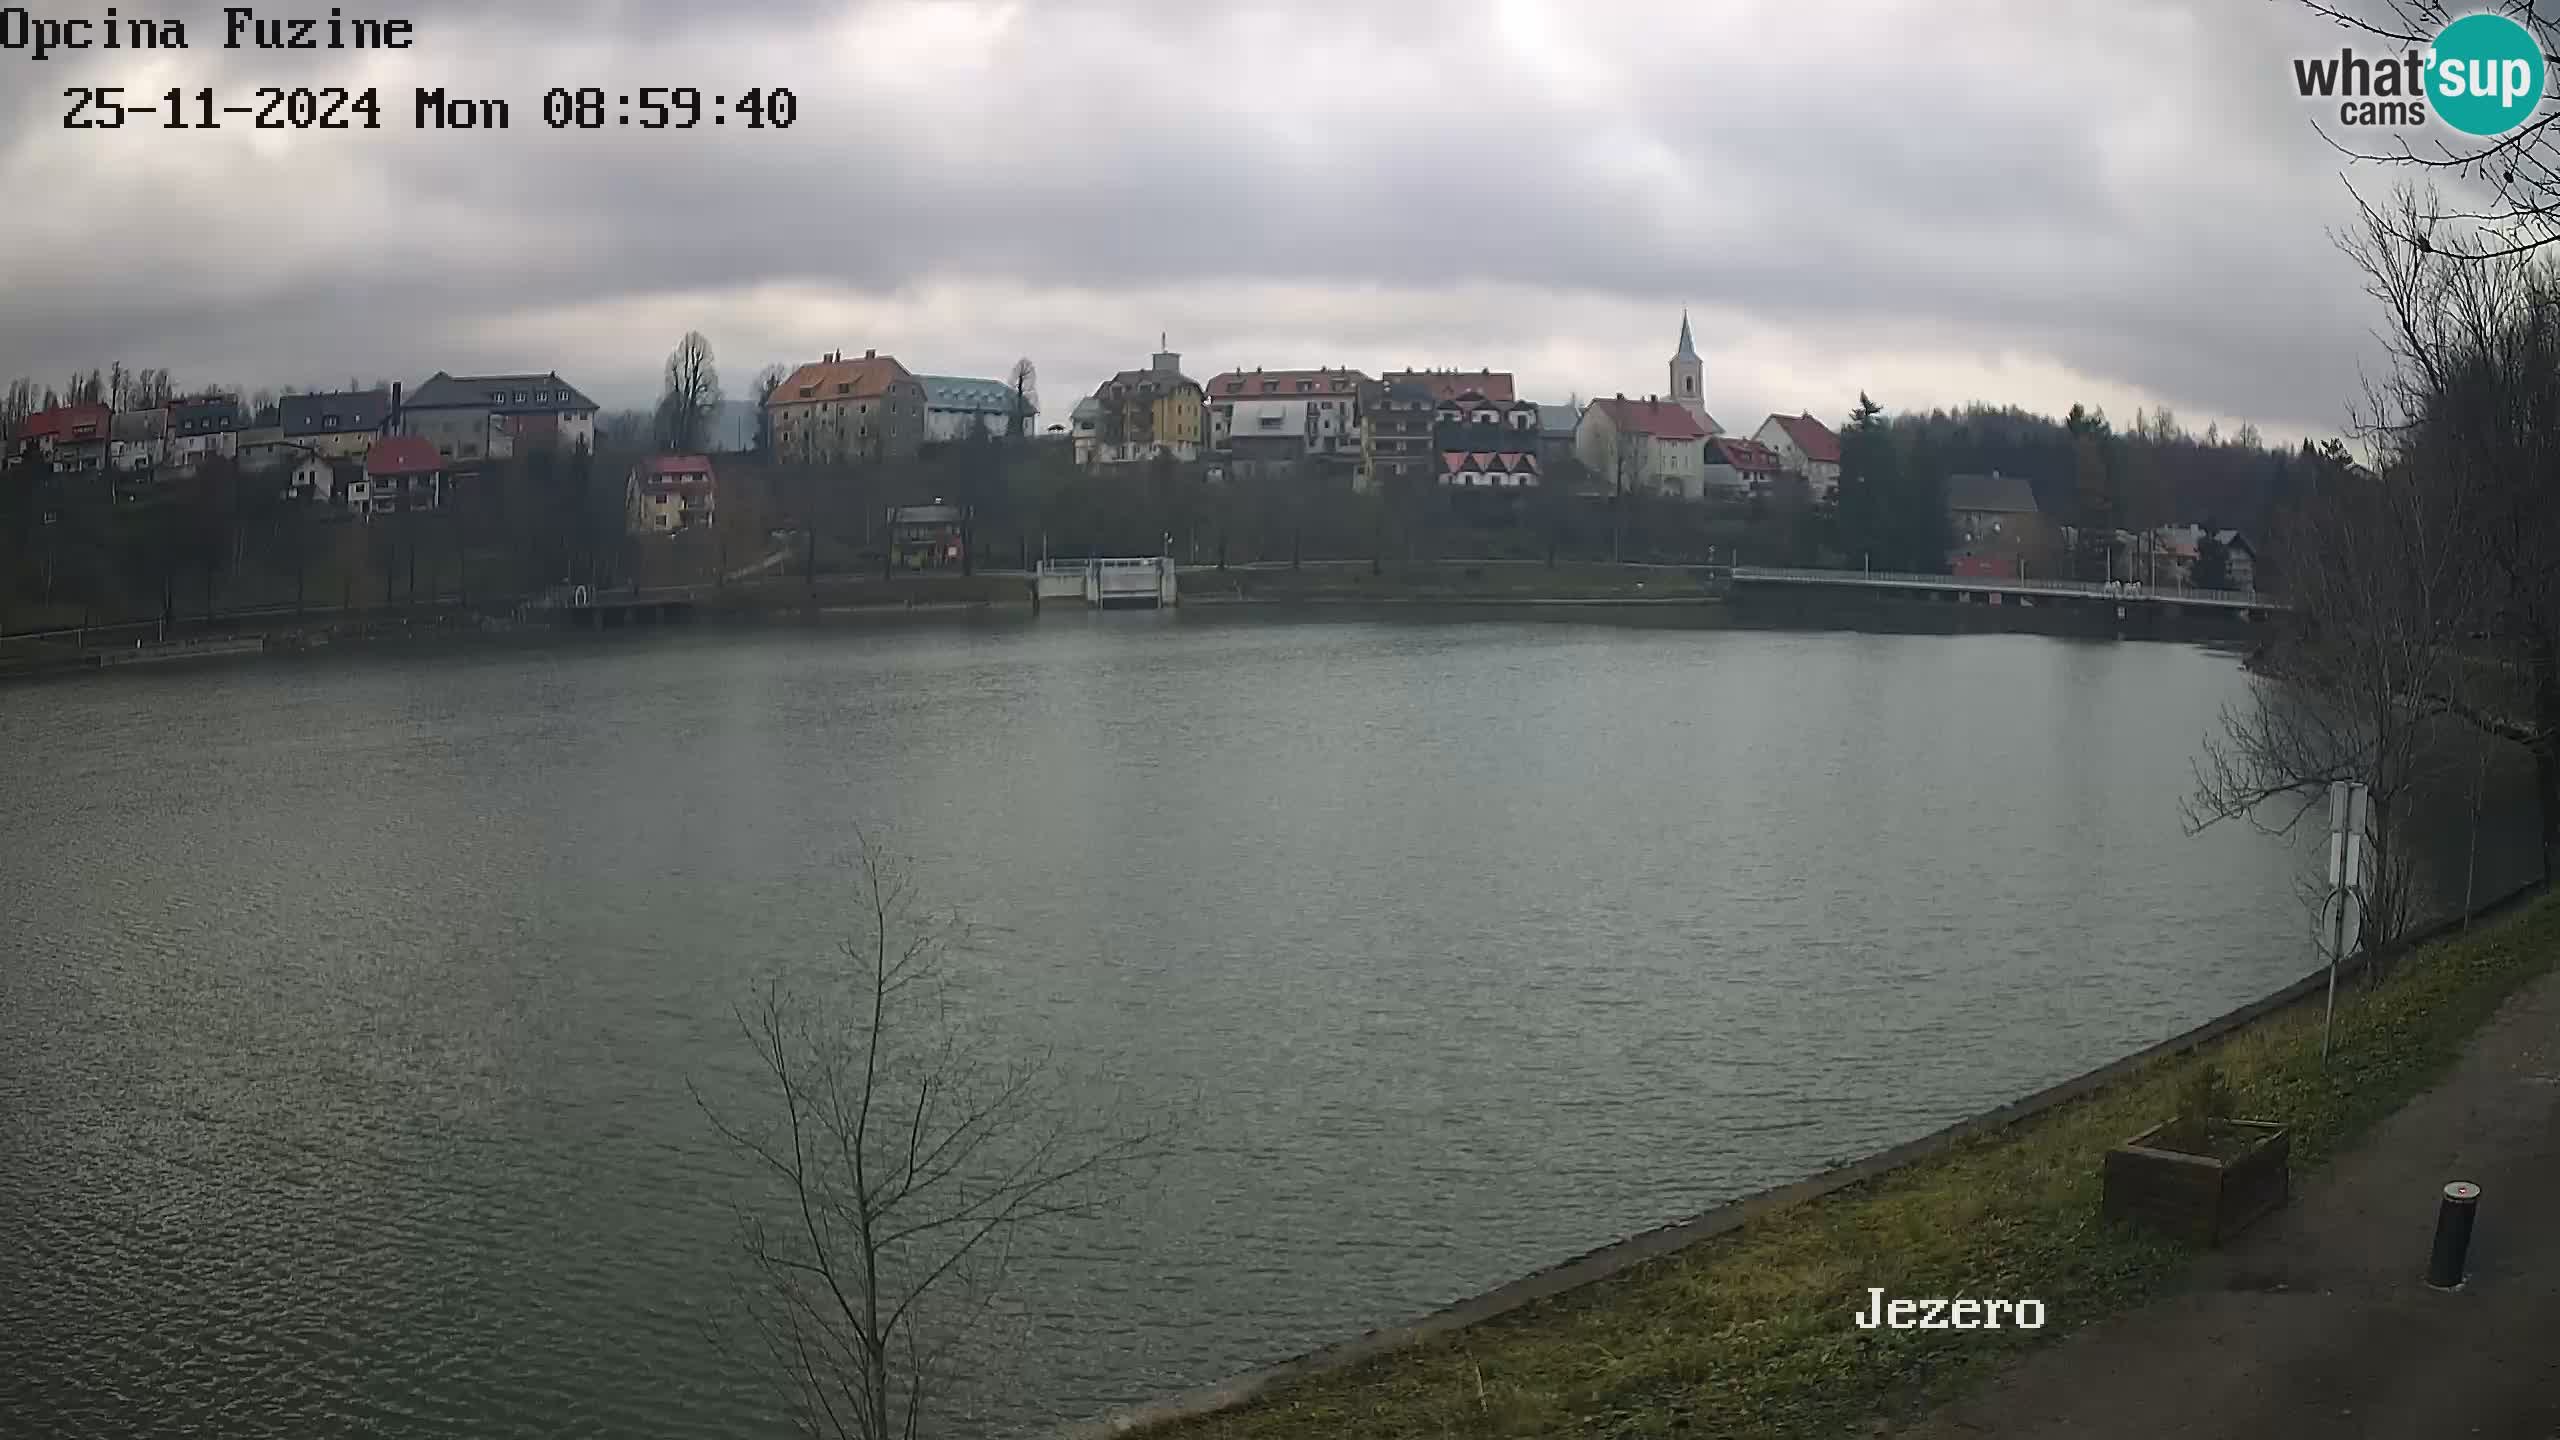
(1749, 1333)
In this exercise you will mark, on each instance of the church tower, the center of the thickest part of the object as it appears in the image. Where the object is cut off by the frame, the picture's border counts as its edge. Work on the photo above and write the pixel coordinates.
(1688, 375)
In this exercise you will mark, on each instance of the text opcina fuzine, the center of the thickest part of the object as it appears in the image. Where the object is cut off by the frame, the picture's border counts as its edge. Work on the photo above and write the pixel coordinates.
(243, 28)
(1959, 1314)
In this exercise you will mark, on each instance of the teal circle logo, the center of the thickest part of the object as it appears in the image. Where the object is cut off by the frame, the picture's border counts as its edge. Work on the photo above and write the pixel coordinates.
(2485, 75)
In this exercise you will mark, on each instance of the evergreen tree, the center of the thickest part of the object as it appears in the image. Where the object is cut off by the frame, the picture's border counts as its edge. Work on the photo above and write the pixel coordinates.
(2213, 565)
(1918, 510)
(1867, 483)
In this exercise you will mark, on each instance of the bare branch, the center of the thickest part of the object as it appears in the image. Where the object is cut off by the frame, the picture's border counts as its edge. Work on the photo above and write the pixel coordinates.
(909, 1158)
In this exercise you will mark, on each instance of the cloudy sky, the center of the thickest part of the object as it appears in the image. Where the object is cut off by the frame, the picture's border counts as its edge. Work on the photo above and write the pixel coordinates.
(2037, 201)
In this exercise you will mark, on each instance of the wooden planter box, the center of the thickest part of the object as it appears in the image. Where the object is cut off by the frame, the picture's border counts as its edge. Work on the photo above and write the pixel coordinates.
(2197, 1198)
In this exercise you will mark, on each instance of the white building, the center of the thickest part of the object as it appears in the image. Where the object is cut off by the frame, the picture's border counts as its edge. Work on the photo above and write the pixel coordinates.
(1689, 377)
(205, 428)
(140, 440)
(955, 404)
(1806, 446)
(1327, 400)
(1649, 446)
(312, 479)
(1085, 427)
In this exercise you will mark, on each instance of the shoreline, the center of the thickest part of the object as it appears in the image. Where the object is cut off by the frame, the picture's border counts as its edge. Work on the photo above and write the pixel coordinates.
(1658, 593)
(1374, 1357)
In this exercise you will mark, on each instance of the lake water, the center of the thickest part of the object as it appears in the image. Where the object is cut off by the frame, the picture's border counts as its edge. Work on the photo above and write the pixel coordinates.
(347, 1008)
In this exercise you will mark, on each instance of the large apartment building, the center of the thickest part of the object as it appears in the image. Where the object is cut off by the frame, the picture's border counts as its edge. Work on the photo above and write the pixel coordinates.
(1151, 413)
(1320, 409)
(835, 410)
(473, 418)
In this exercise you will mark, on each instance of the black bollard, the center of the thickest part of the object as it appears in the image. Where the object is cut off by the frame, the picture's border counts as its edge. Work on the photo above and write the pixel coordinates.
(2461, 1204)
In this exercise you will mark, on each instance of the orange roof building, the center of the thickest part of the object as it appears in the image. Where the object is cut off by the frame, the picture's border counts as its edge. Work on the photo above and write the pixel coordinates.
(838, 409)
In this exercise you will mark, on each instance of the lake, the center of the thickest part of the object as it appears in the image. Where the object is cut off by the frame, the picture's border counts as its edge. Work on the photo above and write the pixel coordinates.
(347, 1007)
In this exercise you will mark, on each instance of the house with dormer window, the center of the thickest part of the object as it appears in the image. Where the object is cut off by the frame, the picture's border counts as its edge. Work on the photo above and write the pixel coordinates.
(336, 424)
(472, 419)
(1327, 400)
(841, 409)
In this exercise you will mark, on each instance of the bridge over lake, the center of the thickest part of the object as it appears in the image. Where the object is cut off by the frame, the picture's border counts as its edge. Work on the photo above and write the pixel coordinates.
(1984, 589)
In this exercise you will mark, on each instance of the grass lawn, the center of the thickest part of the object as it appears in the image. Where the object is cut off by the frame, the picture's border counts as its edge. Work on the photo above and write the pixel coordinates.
(1750, 1333)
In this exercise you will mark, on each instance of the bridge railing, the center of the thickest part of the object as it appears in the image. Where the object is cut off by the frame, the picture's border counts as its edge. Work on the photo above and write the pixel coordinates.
(1904, 579)
(1088, 567)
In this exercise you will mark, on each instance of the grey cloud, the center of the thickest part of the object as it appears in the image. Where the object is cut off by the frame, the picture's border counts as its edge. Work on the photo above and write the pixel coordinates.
(2156, 225)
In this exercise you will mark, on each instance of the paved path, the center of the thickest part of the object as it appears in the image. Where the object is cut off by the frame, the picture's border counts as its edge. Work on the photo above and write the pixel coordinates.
(2318, 1321)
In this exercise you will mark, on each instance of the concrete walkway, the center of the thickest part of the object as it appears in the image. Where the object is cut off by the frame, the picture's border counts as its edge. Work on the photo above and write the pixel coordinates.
(2318, 1321)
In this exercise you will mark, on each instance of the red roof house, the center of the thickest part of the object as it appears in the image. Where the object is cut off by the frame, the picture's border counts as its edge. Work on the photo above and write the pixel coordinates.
(402, 455)
(674, 471)
(1748, 456)
(1810, 436)
(669, 492)
(1661, 419)
(66, 425)
(1493, 385)
(71, 436)
(1499, 469)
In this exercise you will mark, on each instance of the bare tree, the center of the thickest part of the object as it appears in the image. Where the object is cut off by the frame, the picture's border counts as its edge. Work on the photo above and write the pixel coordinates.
(2395, 571)
(1025, 384)
(2473, 403)
(2379, 598)
(691, 399)
(904, 1165)
(768, 380)
(2519, 172)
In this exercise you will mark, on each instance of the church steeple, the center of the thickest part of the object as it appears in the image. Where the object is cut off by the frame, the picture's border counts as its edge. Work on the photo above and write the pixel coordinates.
(1688, 374)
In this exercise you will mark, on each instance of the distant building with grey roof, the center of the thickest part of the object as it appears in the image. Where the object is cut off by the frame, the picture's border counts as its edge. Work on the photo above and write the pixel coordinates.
(955, 404)
(1990, 496)
(472, 418)
(337, 424)
(1993, 521)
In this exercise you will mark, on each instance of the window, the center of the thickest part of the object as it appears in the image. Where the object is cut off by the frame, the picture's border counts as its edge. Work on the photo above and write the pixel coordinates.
(520, 397)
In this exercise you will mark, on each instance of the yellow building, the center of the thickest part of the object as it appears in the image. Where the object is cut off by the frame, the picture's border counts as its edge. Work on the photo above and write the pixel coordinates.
(668, 493)
(337, 424)
(1148, 413)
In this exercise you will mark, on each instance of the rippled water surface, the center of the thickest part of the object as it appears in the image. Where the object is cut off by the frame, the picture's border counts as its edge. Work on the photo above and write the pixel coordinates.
(346, 1008)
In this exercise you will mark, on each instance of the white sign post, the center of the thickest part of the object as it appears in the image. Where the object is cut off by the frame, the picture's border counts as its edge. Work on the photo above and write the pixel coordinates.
(2342, 918)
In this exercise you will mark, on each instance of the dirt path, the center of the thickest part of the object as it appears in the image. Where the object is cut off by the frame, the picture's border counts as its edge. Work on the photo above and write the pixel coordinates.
(2318, 1322)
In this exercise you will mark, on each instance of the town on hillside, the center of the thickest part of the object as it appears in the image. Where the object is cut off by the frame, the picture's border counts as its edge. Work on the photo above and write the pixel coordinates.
(852, 461)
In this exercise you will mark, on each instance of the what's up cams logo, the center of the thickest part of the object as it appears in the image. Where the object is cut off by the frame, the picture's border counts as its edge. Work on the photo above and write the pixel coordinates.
(2483, 76)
